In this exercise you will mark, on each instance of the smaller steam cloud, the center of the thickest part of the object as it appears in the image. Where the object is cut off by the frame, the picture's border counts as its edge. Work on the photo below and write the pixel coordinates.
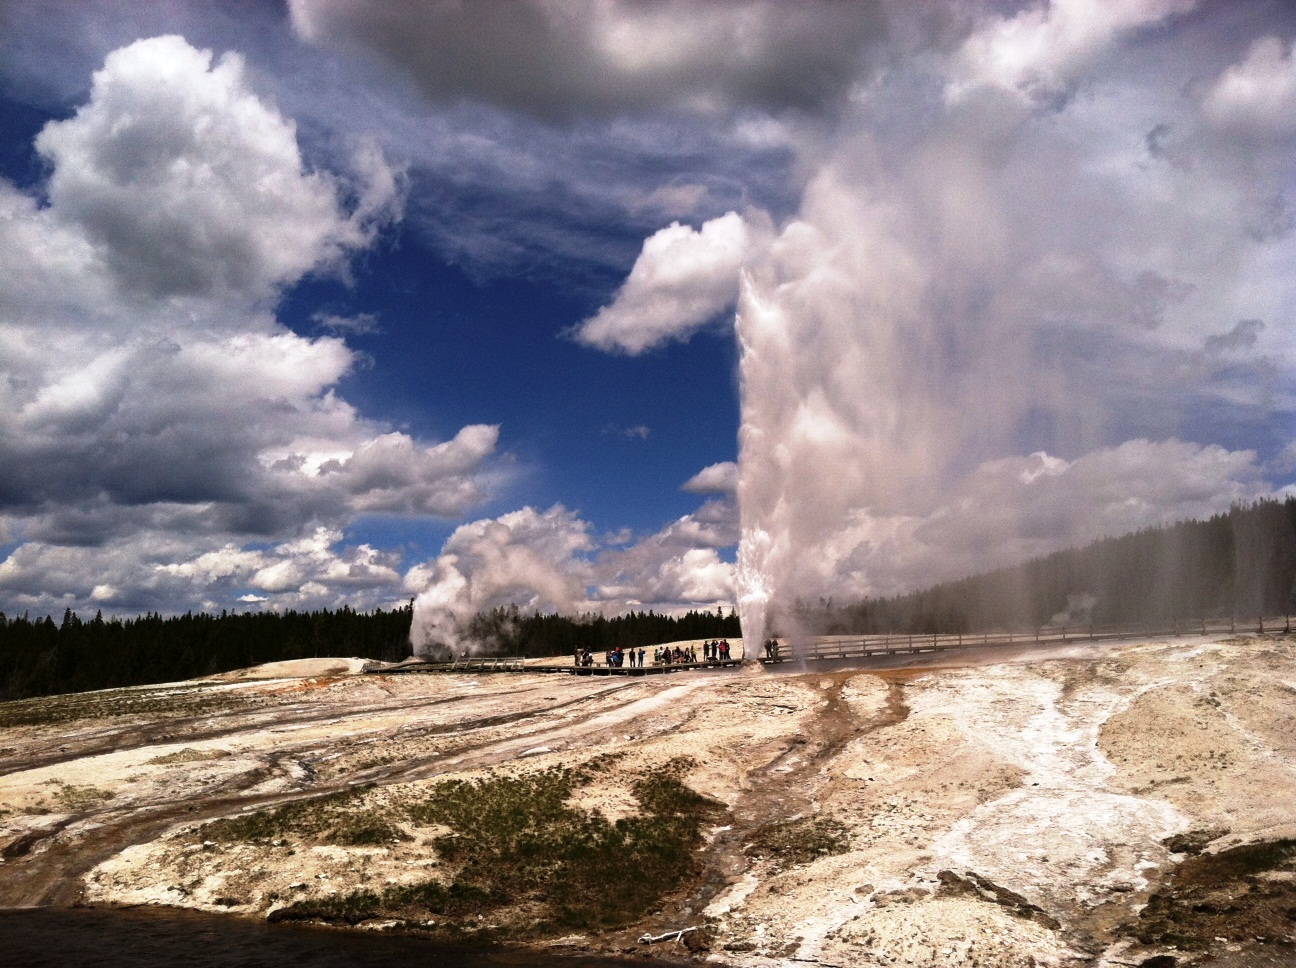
(1079, 610)
(554, 561)
(526, 557)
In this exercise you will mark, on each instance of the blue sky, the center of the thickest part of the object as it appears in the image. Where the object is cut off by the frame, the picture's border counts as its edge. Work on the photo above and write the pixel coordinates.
(619, 305)
(588, 430)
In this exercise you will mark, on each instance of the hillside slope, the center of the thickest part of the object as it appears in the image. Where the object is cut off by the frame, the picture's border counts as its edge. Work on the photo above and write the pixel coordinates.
(1086, 804)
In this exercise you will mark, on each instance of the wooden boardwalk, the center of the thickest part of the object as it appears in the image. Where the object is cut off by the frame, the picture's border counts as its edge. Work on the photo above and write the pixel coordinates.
(837, 647)
(648, 670)
(514, 664)
(470, 664)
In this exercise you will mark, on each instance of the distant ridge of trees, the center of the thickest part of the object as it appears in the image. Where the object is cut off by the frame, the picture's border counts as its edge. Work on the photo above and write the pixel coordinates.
(39, 657)
(1239, 563)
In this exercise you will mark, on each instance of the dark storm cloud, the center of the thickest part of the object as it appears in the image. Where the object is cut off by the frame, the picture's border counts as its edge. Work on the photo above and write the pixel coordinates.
(605, 58)
(1243, 336)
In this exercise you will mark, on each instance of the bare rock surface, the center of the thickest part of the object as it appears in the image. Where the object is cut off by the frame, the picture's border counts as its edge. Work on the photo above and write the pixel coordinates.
(1100, 804)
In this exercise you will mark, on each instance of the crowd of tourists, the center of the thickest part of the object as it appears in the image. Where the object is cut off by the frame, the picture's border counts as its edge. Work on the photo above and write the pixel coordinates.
(618, 657)
(717, 651)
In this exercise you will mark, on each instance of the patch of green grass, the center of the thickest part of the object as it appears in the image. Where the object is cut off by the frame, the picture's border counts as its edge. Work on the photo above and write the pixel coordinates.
(187, 755)
(1242, 862)
(113, 703)
(516, 837)
(410, 903)
(516, 850)
(800, 841)
(439, 898)
(336, 908)
(373, 761)
(335, 818)
(365, 830)
(516, 845)
(72, 798)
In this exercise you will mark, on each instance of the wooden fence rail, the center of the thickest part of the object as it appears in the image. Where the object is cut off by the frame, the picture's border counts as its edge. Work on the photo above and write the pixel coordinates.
(827, 647)
(470, 664)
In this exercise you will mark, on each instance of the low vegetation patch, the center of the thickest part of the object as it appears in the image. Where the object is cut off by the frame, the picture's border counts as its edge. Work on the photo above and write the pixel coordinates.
(419, 904)
(113, 703)
(72, 798)
(517, 838)
(800, 841)
(188, 755)
(532, 864)
(1243, 894)
(336, 818)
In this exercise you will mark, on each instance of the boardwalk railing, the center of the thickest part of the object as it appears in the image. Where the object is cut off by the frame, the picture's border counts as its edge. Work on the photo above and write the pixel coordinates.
(828, 647)
(509, 664)
(514, 664)
(466, 664)
(599, 669)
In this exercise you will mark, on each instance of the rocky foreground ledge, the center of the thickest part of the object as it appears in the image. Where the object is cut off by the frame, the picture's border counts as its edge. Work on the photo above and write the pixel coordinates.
(1111, 805)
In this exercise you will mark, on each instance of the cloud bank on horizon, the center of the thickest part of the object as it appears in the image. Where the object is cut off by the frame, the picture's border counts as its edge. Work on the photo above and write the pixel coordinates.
(1003, 279)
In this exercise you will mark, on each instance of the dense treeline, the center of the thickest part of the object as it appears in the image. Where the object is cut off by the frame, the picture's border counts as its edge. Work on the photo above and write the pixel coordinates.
(507, 631)
(1241, 563)
(39, 657)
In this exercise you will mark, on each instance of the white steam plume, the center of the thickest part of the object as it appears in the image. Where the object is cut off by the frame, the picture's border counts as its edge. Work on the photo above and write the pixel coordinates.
(986, 265)
(1038, 289)
(752, 578)
(525, 557)
(550, 561)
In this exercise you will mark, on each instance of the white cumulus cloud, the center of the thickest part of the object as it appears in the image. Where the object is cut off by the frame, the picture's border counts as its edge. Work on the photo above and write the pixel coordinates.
(721, 478)
(156, 417)
(683, 279)
(1038, 52)
(187, 184)
(1258, 95)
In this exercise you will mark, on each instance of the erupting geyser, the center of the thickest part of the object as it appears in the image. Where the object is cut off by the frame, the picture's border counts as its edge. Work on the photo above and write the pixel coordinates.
(993, 318)
(753, 589)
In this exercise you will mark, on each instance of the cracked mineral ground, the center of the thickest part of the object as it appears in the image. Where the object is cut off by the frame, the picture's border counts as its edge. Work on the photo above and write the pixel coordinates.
(1096, 804)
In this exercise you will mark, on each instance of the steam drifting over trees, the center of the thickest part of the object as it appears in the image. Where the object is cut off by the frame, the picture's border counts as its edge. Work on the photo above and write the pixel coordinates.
(1240, 563)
